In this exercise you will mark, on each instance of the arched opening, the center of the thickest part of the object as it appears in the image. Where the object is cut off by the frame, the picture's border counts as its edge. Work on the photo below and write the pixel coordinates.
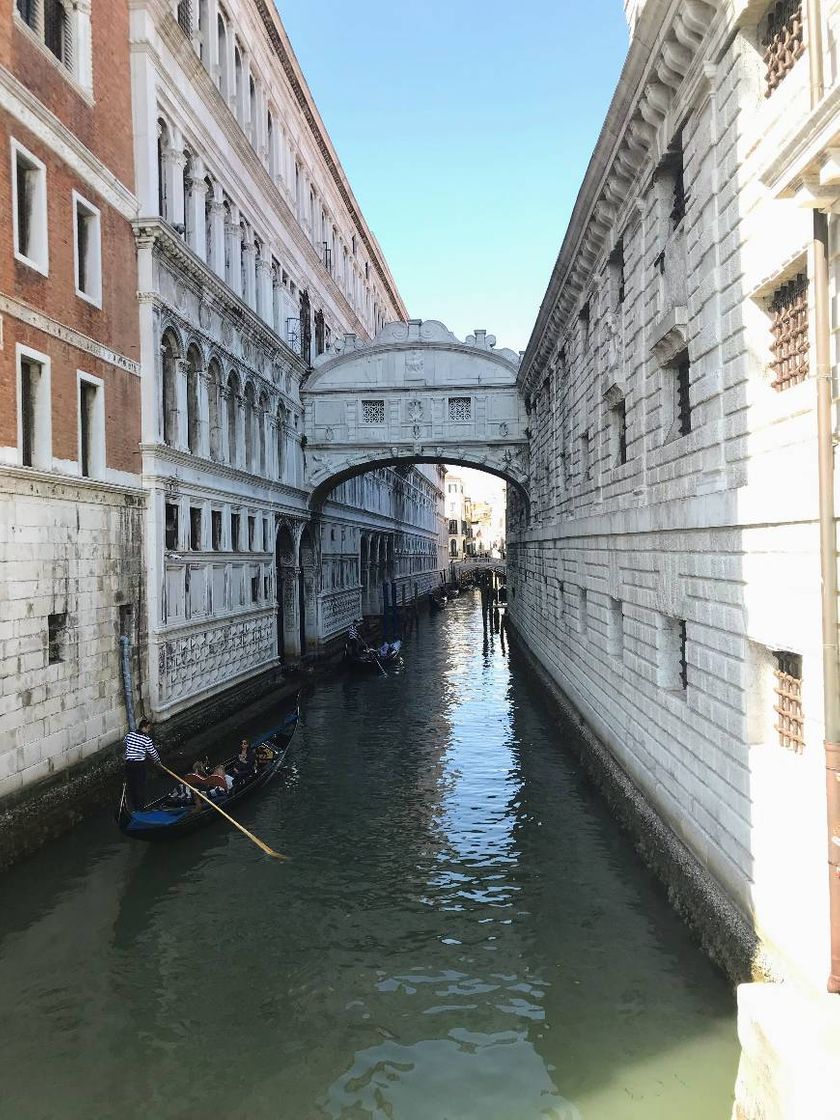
(209, 249)
(214, 403)
(224, 70)
(364, 575)
(193, 400)
(261, 419)
(238, 91)
(288, 636)
(170, 354)
(162, 147)
(232, 406)
(250, 408)
(186, 175)
(307, 593)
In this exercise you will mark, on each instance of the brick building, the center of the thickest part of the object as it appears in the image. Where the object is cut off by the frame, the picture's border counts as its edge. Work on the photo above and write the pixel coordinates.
(69, 382)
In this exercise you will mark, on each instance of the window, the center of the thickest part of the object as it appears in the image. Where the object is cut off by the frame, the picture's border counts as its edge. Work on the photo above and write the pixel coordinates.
(790, 719)
(585, 460)
(373, 412)
(678, 198)
(185, 16)
(673, 654)
(683, 398)
(266, 538)
(56, 634)
(216, 530)
(616, 267)
(91, 426)
(252, 533)
(29, 208)
(48, 19)
(453, 527)
(616, 629)
(583, 318)
(87, 251)
(583, 617)
(195, 528)
(234, 532)
(789, 328)
(171, 527)
(34, 409)
(618, 431)
(460, 409)
(783, 41)
(255, 585)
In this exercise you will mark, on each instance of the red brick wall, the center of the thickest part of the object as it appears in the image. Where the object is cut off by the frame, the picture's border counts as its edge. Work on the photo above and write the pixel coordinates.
(104, 127)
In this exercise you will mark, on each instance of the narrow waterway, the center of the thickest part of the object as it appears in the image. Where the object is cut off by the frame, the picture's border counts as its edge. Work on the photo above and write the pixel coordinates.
(461, 934)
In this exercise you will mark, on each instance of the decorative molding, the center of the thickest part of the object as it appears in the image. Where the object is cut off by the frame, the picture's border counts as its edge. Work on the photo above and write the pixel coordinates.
(42, 322)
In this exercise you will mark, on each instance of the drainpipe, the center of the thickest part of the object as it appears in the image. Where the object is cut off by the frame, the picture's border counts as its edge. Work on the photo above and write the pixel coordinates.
(828, 525)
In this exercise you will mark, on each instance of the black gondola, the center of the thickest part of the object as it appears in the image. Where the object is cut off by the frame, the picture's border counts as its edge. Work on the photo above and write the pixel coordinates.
(438, 600)
(371, 658)
(163, 820)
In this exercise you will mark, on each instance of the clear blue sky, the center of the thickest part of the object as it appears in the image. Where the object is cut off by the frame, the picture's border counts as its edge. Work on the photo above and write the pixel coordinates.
(465, 128)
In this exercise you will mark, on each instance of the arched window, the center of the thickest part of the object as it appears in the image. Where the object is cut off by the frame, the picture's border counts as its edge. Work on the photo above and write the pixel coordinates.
(170, 354)
(238, 92)
(261, 415)
(214, 403)
(250, 408)
(232, 402)
(271, 145)
(243, 261)
(162, 146)
(252, 105)
(276, 297)
(224, 72)
(193, 408)
(258, 293)
(281, 439)
(208, 222)
(189, 232)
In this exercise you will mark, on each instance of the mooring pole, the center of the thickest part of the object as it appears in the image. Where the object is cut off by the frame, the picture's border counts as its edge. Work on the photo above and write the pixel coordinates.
(385, 612)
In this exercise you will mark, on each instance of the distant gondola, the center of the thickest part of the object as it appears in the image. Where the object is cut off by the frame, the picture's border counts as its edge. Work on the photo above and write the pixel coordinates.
(438, 600)
(162, 820)
(371, 658)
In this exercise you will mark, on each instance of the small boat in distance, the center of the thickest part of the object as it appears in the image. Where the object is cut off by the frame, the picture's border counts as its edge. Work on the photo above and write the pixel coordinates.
(369, 657)
(438, 599)
(165, 819)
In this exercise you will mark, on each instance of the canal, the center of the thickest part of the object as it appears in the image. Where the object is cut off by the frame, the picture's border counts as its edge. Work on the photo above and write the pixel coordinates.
(461, 934)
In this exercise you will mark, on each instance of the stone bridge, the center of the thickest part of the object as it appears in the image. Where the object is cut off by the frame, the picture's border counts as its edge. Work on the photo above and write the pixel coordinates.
(414, 394)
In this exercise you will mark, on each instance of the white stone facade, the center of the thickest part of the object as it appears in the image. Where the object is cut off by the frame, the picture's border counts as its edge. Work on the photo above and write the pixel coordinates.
(253, 259)
(670, 566)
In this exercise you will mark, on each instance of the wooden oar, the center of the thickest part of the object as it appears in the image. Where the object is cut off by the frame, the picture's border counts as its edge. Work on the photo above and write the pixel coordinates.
(254, 839)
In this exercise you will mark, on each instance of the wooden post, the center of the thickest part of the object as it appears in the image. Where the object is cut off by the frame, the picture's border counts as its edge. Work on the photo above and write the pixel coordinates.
(385, 611)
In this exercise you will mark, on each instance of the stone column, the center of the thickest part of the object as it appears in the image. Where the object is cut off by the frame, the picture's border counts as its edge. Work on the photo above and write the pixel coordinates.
(181, 405)
(173, 171)
(204, 390)
(249, 257)
(240, 433)
(194, 209)
(217, 231)
(224, 441)
(230, 37)
(266, 301)
(211, 39)
(234, 243)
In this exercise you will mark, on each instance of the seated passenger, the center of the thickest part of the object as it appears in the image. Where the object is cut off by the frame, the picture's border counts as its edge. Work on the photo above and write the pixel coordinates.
(243, 764)
(219, 784)
(265, 754)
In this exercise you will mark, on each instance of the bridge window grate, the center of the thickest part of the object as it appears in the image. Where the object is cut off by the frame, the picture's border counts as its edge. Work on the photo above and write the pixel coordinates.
(790, 719)
(783, 42)
(460, 409)
(789, 309)
(373, 412)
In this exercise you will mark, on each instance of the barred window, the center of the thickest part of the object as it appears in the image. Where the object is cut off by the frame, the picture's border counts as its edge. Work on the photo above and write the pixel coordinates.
(460, 409)
(373, 412)
(790, 720)
(783, 41)
(185, 16)
(789, 310)
(56, 631)
(684, 393)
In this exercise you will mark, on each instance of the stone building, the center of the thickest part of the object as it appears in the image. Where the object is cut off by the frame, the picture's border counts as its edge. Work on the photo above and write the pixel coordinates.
(253, 255)
(668, 576)
(70, 503)
(457, 516)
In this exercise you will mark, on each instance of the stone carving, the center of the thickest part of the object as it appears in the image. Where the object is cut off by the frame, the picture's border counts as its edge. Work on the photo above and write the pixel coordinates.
(338, 610)
(205, 315)
(415, 410)
(227, 333)
(180, 296)
(288, 381)
(503, 429)
(414, 364)
(329, 435)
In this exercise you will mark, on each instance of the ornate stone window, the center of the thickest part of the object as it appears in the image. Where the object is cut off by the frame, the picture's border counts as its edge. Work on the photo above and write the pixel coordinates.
(790, 719)
(782, 40)
(460, 409)
(373, 412)
(789, 327)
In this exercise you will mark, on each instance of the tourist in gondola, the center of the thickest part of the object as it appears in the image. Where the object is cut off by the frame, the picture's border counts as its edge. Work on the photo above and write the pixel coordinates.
(138, 748)
(219, 782)
(243, 764)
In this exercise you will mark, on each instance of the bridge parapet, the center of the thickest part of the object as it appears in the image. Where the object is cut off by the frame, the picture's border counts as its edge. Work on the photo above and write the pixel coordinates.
(417, 393)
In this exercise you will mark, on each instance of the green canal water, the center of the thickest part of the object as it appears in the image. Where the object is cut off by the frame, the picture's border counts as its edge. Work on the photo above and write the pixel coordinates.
(461, 934)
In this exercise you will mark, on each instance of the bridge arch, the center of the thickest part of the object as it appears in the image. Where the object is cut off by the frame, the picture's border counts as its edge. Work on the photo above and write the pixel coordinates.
(414, 394)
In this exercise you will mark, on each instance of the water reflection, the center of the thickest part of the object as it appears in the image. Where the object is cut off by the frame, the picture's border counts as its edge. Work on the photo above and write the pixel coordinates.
(461, 934)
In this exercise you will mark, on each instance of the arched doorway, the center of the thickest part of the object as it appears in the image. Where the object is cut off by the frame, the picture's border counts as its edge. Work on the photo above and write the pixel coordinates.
(307, 593)
(287, 634)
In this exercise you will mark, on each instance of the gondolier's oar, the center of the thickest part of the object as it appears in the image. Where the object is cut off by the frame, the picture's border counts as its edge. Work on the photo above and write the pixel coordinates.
(255, 839)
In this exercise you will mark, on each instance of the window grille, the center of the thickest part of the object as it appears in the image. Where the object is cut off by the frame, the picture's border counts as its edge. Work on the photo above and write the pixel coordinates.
(684, 394)
(373, 412)
(171, 527)
(790, 719)
(56, 626)
(683, 654)
(293, 332)
(789, 309)
(453, 527)
(234, 532)
(327, 257)
(195, 528)
(783, 42)
(185, 16)
(57, 31)
(460, 409)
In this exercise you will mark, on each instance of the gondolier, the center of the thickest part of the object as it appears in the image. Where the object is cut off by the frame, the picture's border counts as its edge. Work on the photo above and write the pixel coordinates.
(138, 747)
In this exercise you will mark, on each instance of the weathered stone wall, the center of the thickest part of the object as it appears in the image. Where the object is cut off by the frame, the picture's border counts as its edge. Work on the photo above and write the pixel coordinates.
(70, 550)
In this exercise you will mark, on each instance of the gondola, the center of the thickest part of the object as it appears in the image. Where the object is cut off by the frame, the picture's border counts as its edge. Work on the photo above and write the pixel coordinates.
(438, 600)
(163, 820)
(371, 658)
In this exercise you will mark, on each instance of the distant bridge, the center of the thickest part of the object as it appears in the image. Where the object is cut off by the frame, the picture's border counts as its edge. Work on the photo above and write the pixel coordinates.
(479, 564)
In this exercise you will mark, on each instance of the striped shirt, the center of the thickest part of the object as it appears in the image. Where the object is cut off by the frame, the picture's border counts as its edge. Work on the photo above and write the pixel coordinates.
(138, 746)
